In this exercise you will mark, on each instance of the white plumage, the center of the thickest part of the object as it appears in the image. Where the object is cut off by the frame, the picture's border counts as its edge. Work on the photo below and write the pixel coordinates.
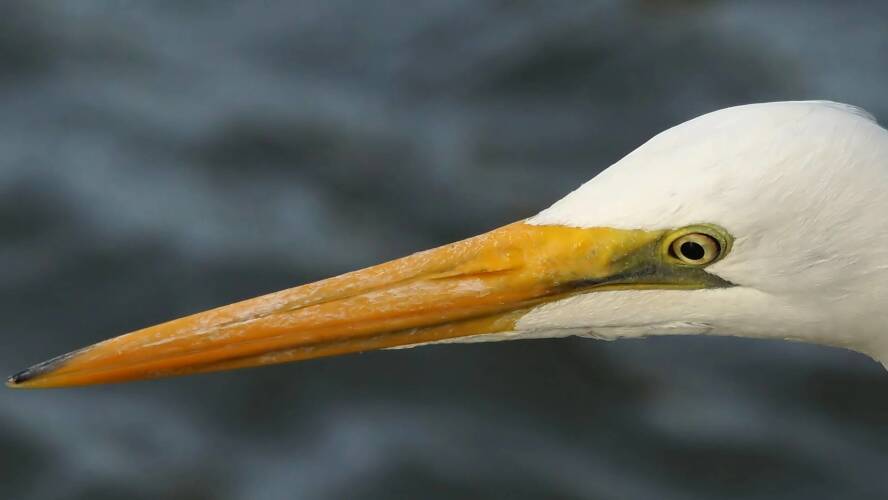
(802, 186)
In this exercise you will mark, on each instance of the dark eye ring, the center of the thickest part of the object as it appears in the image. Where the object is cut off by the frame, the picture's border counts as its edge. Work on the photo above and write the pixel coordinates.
(696, 249)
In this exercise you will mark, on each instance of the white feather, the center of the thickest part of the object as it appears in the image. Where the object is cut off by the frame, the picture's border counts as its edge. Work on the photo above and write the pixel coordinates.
(803, 188)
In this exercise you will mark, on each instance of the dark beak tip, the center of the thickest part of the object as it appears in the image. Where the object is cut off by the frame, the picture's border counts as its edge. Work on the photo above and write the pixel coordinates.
(15, 380)
(19, 380)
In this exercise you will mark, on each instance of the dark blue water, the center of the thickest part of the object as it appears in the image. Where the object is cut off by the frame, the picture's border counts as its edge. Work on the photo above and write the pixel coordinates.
(161, 158)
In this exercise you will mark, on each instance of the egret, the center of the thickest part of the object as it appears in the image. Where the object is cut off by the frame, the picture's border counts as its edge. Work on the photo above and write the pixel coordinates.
(766, 220)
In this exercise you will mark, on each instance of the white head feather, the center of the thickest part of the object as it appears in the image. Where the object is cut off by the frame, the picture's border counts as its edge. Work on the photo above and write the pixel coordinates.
(802, 187)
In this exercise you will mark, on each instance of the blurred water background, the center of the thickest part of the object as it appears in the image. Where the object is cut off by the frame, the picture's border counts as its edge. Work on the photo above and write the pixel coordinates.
(160, 158)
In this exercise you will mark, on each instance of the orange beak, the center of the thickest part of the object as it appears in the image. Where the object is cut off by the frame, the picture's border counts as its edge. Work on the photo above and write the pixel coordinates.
(479, 286)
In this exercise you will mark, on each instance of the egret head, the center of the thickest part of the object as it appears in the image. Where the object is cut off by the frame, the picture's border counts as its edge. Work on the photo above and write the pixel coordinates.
(764, 220)
(800, 187)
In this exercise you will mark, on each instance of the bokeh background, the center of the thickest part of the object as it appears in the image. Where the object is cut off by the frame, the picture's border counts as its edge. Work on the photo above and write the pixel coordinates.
(160, 158)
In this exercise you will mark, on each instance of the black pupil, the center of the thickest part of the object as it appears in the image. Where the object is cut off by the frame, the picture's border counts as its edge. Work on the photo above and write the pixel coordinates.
(693, 250)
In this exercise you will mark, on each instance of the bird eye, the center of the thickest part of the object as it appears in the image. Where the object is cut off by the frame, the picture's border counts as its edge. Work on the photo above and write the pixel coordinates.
(696, 249)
